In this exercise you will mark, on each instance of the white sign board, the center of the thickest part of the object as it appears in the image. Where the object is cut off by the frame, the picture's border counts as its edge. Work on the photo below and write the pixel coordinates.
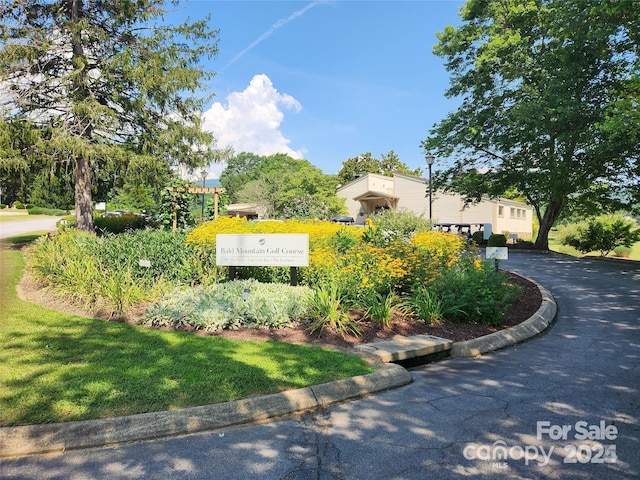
(270, 250)
(498, 253)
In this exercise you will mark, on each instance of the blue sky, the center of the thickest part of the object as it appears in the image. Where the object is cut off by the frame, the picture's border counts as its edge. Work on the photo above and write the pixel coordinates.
(327, 80)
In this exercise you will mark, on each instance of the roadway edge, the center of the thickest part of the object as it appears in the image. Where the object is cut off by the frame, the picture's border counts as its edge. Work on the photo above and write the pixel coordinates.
(59, 437)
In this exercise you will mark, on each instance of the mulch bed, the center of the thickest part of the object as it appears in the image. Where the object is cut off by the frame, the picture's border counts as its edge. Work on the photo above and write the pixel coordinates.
(523, 308)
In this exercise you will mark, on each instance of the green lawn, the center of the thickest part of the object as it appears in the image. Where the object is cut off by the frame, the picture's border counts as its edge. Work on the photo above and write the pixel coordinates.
(60, 367)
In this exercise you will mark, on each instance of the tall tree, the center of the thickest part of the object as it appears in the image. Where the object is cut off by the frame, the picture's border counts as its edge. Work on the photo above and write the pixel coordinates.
(239, 170)
(104, 82)
(278, 182)
(354, 167)
(547, 90)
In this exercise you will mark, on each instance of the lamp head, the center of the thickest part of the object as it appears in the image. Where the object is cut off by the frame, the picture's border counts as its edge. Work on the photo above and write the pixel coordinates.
(430, 159)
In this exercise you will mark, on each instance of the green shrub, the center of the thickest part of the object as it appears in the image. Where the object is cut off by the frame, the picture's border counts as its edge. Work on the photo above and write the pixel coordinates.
(164, 250)
(497, 240)
(476, 295)
(47, 211)
(525, 243)
(119, 223)
(623, 252)
(478, 238)
(65, 223)
(389, 225)
(603, 233)
(344, 240)
(18, 204)
(107, 269)
(2, 205)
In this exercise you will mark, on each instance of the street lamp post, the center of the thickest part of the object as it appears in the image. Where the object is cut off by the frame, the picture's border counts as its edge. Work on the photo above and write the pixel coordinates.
(430, 159)
(203, 174)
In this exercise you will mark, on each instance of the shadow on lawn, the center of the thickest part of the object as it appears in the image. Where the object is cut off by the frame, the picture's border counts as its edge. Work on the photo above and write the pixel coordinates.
(66, 367)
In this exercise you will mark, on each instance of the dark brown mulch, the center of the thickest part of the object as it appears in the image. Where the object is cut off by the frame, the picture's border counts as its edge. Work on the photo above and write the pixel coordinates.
(523, 308)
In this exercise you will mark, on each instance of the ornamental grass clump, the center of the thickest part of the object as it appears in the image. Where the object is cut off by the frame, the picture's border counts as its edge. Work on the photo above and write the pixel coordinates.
(105, 272)
(425, 304)
(380, 308)
(330, 308)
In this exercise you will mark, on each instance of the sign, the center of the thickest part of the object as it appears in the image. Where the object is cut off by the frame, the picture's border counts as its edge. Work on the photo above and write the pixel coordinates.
(497, 253)
(215, 190)
(269, 250)
(486, 231)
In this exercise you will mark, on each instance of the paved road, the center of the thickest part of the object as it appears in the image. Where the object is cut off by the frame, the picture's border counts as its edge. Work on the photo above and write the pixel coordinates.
(18, 227)
(581, 378)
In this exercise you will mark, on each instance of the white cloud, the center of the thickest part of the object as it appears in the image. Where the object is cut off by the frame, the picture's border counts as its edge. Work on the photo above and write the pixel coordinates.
(250, 121)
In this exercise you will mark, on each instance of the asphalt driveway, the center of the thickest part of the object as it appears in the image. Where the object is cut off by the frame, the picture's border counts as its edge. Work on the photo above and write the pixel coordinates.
(19, 227)
(564, 405)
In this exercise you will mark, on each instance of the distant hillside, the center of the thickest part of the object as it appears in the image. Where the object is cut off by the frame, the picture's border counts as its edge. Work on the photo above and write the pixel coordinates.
(212, 182)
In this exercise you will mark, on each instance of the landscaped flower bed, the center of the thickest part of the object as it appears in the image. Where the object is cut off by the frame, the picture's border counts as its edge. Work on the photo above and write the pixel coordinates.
(372, 273)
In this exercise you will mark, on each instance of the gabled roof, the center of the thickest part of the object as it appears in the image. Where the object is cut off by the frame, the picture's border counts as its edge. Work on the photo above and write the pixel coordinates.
(242, 207)
(373, 195)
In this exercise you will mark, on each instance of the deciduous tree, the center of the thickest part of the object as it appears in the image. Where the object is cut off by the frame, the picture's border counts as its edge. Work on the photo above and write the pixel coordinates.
(279, 182)
(353, 167)
(549, 94)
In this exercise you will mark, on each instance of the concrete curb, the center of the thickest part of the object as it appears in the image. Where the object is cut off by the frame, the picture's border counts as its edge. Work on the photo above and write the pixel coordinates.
(58, 437)
(511, 336)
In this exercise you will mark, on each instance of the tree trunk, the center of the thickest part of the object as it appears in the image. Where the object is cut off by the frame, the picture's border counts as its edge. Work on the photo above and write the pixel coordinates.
(548, 220)
(82, 127)
(83, 198)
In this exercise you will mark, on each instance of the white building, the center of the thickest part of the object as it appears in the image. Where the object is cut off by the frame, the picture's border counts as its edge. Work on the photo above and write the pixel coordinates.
(370, 192)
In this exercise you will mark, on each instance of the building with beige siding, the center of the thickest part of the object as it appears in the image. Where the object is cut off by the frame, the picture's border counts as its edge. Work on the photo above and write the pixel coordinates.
(371, 192)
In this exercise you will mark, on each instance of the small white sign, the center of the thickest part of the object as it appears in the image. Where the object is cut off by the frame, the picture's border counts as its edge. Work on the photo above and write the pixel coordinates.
(497, 253)
(486, 231)
(145, 263)
(269, 250)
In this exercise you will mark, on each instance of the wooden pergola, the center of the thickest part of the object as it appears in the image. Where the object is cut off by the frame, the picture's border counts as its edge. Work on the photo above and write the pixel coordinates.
(216, 191)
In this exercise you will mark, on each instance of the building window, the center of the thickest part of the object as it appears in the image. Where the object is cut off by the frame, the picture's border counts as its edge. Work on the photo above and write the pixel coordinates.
(512, 212)
(501, 210)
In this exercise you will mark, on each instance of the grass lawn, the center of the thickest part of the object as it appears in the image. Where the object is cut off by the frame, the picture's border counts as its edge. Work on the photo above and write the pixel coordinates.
(59, 367)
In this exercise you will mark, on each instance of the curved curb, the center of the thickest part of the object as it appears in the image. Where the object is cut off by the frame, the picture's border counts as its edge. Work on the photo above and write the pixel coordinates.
(58, 437)
(531, 327)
